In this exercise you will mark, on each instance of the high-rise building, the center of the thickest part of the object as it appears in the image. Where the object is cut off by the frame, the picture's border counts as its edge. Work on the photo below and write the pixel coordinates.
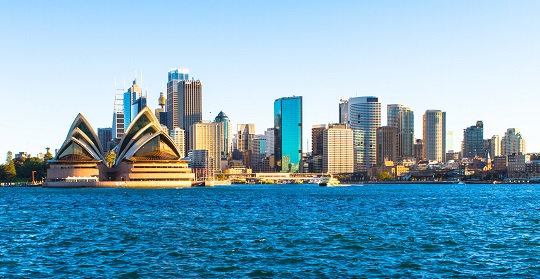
(402, 118)
(174, 76)
(227, 146)
(450, 141)
(473, 141)
(179, 138)
(337, 153)
(244, 137)
(343, 111)
(269, 135)
(288, 133)
(364, 119)
(184, 106)
(434, 141)
(130, 97)
(118, 114)
(418, 150)
(208, 136)
(105, 136)
(259, 151)
(512, 142)
(495, 147)
(317, 139)
(387, 145)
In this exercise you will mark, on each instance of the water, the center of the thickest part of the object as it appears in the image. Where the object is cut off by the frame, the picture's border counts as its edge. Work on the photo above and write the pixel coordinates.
(296, 231)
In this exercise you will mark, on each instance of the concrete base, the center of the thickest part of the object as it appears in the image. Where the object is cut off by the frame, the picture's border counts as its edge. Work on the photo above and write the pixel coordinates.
(119, 184)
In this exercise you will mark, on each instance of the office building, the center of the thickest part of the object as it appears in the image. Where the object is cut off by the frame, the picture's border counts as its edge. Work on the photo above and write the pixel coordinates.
(364, 119)
(288, 133)
(495, 147)
(317, 139)
(132, 103)
(434, 141)
(179, 138)
(512, 142)
(208, 136)
(387, 145)
(337, 152)
(402, 118)
(105, 136)
(226, 135)
(343, 111)
(269, 135)
(473, 141)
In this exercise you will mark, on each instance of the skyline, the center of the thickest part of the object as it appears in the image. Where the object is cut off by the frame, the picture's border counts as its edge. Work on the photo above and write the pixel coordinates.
(479, 60)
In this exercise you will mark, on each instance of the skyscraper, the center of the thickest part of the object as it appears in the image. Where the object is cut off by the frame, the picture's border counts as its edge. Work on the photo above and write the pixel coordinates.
(495, 148)
(434, 141)
(387, 145)
(337, 153)
(473, 141)
(317, 139)
(174, 76)
(512, 142)
(208, 136)
(343, 111)
(364, 119)
(105, 136)
(131, 96)
(288, 133)
(184, 104)
(244, 137)
(227, 148)
(402, 118)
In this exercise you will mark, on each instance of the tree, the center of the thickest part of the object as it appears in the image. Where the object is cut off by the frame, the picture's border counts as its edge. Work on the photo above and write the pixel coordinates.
(48, 156)
(110, 157)
(385, 176)
(9, 168)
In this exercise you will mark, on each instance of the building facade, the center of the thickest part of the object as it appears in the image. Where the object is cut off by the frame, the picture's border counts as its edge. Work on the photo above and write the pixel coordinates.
(364, 119)
(337, 153)
(288, 133)
(434, 136)
(208, 136)
(387, 145)
(226, 135)
(512, 142)
(179, 138)
(473, 141)
(402, 118)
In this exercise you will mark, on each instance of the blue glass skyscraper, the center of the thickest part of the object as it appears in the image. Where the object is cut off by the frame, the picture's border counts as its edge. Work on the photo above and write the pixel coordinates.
(288, 133)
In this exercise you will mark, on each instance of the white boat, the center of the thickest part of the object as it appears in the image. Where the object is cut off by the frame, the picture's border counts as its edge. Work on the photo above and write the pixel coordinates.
(329, 180)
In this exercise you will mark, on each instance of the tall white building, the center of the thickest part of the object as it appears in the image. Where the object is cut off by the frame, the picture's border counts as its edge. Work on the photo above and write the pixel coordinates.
(338, 149)
(208, 136)
(495, 148)
(179, 138)
(512, 142)
(434, 141)
(364, 119)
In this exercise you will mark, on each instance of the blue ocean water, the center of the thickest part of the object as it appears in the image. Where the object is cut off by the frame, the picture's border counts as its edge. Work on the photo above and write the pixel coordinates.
(285, 231)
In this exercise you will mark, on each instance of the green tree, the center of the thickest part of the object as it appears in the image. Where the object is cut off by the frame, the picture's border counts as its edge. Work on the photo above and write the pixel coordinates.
(9, 168)
(110, 157)
(48, 156)
(384, 176)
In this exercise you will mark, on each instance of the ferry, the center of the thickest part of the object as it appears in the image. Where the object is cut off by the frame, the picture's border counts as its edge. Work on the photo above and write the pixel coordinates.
(329, 180)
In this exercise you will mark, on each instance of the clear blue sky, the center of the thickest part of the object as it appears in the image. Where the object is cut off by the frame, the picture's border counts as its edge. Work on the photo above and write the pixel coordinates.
(476, 60)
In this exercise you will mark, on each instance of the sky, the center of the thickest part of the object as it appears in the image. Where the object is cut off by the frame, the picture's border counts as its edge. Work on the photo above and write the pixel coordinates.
(475, 60)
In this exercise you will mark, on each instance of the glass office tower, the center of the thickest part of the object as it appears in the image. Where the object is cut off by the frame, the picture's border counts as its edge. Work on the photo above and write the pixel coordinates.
(288, 133)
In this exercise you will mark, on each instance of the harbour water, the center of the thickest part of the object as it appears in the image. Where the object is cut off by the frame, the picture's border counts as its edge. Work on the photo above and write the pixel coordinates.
(274, 231)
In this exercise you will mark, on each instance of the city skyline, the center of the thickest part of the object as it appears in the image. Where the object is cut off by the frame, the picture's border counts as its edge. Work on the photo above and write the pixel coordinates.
(475, 61)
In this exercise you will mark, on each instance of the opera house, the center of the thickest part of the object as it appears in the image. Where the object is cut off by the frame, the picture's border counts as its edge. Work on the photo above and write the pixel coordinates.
(145, 157)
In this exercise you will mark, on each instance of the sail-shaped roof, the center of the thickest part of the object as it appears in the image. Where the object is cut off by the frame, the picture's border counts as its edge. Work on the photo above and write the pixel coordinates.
(145, 140)
(81, 143)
